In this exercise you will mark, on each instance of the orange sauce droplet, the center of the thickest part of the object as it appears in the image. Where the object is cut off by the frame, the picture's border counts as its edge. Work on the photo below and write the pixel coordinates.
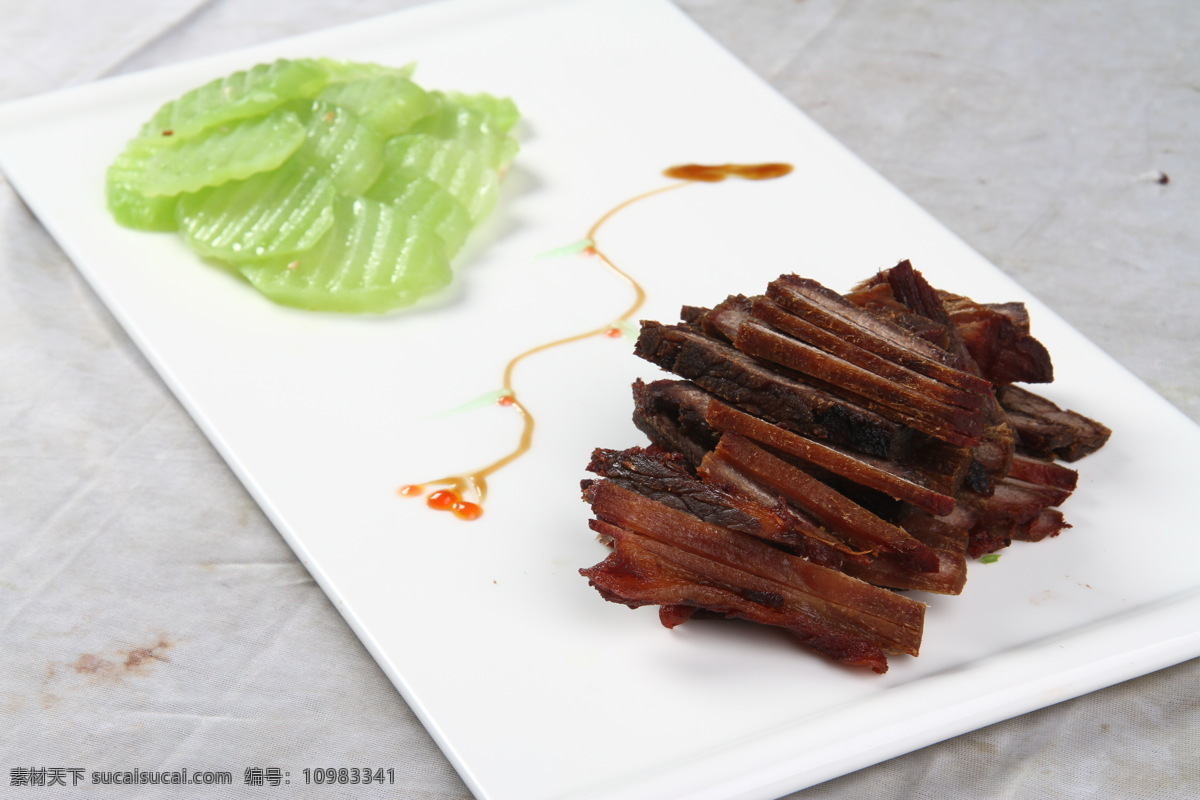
(442, 500)
(467, 510)
(410, 490)
(476, 482)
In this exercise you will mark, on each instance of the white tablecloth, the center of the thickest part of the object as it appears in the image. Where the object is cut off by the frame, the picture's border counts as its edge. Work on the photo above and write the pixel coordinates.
(151, 617)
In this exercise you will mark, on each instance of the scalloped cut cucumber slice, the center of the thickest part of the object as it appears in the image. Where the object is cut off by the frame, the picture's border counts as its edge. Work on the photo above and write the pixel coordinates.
(501, 112)
(373, 260)
(249, 93)
(466, 173)
(341, 71)
(426, 203)
(126, 202)
(388, 104)
(228, 153)
(330, 185)
(473, 129)
(341, 147)
(271, 215)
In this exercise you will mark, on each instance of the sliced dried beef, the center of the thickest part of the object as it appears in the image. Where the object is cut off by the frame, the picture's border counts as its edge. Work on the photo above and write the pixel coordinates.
(755, 387)
(885, 476)
(737, 575)
(841, 516)
(823, 451)
(1046, 431)
(671, 414)
(998, 339)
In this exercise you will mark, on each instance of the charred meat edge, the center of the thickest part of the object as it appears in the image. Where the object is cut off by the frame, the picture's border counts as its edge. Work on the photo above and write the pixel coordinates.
(759, 389)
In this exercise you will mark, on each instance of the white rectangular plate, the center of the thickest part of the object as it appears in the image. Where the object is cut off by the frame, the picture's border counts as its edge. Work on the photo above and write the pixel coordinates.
(533, 685)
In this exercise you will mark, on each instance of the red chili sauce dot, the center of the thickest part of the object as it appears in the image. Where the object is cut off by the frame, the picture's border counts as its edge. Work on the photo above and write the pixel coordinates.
(505, 400)
(613, 333)
(467, 510)
(442, 500)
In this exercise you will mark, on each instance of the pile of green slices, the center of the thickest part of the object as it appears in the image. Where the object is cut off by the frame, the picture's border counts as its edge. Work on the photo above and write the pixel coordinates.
(330, 186)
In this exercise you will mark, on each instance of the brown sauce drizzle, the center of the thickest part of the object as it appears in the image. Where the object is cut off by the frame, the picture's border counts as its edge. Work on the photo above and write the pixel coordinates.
(714, 173)
(450, 493)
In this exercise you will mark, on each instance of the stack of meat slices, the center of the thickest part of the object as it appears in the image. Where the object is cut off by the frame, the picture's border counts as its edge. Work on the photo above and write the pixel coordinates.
(823, 451)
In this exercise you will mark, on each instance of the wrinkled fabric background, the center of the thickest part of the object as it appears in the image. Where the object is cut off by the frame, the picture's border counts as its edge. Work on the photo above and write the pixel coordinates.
(151, 617)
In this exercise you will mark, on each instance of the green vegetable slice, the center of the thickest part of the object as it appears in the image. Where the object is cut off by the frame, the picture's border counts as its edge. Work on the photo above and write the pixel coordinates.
(331, 185)
(426, 203)
(388, 103)
(501, 112)
(228, 153)
(471, 126)
(373, 260)
(125, 200)
(342, 71)
(466, 173)
(249, 93)
(275, 214)
(341, 147)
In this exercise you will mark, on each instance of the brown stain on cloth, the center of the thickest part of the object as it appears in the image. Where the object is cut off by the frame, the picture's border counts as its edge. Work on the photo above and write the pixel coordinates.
(138, 662)
(98, 669)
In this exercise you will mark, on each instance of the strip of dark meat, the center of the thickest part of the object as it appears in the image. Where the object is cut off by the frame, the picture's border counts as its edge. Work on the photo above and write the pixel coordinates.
(1047, 473)
(636, 575)
(722, 320)
(879, 300)
(721, 497)
(830, 311)
(758, 389)
(891, 620)
(815, 543)
(912, 295)
(944, 466)
(1020, 500)
(1049, 522)
(1017, 509)
(991, 535)
(835, 511)
(820, 444)
(665, 478)
(998, 342)
(883, 613)
(948, 541)
(1045, 430)
(877, 474)
(912, 291)
(675, 415)
(774, 315)
(726, 319)
(949, 423)
(845, 369)
(671, 414)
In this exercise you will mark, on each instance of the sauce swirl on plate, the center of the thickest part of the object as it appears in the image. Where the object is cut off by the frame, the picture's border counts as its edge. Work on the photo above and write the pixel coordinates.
(464, 494)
